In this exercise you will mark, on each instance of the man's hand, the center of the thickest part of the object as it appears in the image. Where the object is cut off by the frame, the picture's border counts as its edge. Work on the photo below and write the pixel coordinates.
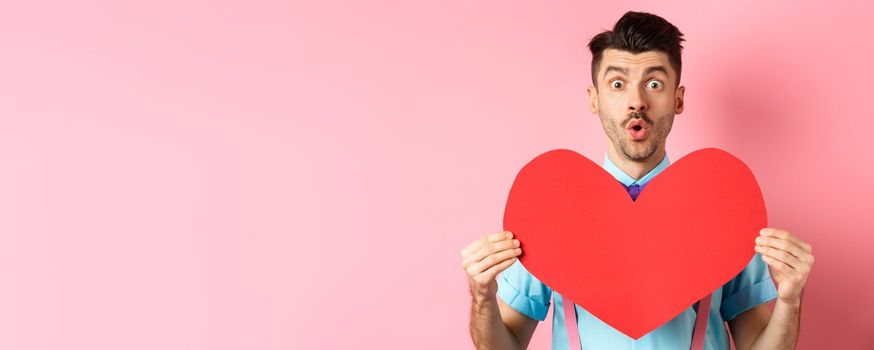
(485, 258)
(789, 260)
(493, 323)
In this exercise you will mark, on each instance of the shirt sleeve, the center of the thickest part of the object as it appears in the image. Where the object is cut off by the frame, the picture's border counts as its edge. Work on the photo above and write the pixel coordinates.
(520, 290)
(749, 288)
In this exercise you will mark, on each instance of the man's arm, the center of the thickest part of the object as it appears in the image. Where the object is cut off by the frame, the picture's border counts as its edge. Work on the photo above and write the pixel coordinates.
(789, 261)
(493, 324)
(757, 328)
(496, 325)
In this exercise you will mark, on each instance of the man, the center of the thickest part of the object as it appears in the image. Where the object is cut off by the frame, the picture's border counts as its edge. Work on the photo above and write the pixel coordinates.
(636, 92)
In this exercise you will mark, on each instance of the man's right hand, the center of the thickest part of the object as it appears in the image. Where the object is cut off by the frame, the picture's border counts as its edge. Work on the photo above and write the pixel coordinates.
(485, 258)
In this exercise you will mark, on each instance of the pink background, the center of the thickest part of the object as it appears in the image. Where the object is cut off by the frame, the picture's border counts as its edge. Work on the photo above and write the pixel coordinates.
(265, 175)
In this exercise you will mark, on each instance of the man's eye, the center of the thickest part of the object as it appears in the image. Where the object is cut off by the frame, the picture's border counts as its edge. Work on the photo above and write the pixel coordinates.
(654, 84)
(616, 84)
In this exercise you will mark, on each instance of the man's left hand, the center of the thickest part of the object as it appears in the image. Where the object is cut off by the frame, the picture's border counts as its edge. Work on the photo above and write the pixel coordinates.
(789, 260)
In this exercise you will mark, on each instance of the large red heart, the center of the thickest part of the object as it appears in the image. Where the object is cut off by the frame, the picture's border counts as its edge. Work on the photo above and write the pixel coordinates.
(635, 264)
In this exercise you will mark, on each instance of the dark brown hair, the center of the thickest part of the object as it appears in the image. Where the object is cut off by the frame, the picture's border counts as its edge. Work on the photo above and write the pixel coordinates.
(638, 32)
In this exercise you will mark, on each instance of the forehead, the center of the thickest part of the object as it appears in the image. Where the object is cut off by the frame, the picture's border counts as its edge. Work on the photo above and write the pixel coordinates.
(635, 63)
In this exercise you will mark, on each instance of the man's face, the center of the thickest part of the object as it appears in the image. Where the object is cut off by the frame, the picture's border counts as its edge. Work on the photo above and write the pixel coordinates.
(636, 100)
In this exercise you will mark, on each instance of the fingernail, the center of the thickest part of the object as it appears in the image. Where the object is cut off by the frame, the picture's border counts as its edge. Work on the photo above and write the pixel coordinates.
(515, 242)
(509, 234)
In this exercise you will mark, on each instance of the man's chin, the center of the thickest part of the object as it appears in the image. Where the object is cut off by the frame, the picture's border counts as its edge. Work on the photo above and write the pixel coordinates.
(639, 159)
(639, 154)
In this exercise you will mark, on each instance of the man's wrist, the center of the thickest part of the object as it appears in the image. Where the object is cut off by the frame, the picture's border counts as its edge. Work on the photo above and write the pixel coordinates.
(787, 311)
(792, 303)
(480, 300)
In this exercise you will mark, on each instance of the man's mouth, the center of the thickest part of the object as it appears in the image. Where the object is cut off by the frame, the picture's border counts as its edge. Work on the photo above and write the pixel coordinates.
(637, 129)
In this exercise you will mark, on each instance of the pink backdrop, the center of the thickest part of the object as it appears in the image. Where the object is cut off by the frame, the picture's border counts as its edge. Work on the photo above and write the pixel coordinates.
(265, 175)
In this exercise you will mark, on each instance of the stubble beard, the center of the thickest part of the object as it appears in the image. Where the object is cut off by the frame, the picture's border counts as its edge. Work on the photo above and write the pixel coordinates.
(637, 151)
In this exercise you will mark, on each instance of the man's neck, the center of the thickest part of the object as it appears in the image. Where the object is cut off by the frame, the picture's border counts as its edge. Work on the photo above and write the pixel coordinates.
(635, 169)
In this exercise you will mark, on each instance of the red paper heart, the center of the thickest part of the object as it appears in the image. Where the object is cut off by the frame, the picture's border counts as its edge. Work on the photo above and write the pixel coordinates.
(635, 265)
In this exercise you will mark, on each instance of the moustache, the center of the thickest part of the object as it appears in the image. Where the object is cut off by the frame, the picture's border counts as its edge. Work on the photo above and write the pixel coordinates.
(637, 115)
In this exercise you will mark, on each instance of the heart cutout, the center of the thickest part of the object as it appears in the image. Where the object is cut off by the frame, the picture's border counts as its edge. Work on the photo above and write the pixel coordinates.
(635, 264)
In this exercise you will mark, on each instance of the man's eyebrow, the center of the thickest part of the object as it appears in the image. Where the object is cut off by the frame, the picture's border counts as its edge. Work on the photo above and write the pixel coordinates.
(624, 71)
(656, 69)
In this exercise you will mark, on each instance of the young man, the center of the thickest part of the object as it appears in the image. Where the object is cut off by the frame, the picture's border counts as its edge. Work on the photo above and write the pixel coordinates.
(636, 92)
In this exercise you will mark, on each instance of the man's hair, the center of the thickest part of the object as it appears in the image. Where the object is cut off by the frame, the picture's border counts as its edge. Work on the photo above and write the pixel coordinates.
(638, 32)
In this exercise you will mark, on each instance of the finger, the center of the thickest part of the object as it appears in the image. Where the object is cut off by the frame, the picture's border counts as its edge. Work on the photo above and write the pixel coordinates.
(779, 233)
(492, 260)
(782, 244)
(777, 264)
(494, 237)
(493, 271)
(491, 249)
(779, 255)
(473, 246)
(782, 267)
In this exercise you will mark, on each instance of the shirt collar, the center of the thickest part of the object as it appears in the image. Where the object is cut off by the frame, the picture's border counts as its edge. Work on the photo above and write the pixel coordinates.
(626, 179)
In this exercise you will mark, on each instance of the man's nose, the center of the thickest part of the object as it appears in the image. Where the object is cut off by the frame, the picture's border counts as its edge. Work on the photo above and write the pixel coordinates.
(636, 101)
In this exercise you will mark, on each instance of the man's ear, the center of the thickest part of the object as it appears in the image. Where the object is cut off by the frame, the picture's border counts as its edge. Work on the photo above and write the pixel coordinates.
(678, 108)
(593, 99)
